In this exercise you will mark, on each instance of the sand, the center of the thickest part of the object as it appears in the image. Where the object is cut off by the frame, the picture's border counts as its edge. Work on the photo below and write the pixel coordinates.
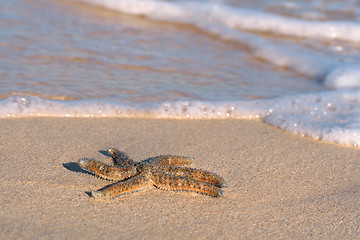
(279, 185)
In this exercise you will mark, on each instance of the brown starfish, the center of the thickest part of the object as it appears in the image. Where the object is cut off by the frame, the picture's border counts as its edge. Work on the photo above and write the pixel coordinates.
(164, 172)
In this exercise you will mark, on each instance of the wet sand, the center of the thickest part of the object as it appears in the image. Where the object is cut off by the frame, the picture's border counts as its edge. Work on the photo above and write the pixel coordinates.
(278, 185)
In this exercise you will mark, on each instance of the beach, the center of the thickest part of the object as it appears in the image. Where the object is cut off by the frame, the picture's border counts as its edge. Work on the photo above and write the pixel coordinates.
(265, 94)
(279, 185)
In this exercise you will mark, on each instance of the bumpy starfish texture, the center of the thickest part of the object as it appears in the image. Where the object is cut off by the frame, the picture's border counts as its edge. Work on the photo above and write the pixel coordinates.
(164, 172)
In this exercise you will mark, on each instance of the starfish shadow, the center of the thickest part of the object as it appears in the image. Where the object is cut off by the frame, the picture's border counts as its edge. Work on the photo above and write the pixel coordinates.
(105, 153)
(89, 193)
(74, 167)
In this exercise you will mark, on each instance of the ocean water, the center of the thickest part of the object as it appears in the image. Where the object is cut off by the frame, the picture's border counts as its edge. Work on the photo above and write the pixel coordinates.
(292, 64)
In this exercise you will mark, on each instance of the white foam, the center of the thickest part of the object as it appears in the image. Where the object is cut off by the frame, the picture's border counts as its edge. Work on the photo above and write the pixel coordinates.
(343, 76)
(330, 116)
(22, 105)
(226, 21)
(198, 13)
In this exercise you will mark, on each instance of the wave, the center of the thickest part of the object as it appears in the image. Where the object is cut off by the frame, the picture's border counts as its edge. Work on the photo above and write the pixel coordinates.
(230, 23)
(330, 116)
(203, 13)
(23, 105)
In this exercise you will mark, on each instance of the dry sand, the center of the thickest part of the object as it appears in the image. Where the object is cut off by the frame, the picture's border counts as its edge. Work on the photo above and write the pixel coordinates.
(279, 185)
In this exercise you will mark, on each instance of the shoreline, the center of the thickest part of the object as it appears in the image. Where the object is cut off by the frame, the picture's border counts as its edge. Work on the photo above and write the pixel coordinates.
(279, 185)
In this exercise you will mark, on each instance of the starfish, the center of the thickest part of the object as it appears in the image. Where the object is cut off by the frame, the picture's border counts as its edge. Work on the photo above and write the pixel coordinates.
(165, 172)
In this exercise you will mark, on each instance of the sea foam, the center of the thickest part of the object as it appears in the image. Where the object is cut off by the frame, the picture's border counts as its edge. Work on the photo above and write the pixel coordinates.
(237, 24)
(331, 116)
(198, 13)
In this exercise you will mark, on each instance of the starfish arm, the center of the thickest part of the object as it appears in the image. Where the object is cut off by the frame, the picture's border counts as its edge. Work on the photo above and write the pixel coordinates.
(105, 171)
(171, 160)
(120, 158)
(196, 174)
(178, 183)
(134, 184)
